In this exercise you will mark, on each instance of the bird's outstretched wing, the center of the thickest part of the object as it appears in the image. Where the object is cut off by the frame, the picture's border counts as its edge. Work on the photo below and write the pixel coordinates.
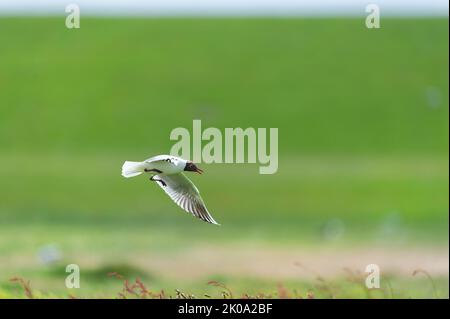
(184, 193)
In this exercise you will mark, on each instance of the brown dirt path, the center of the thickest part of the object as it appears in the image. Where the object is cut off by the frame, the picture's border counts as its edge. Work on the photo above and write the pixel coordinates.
(278, 263)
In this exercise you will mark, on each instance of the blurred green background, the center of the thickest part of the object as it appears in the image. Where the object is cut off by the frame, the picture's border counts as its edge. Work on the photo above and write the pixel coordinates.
(363, 143)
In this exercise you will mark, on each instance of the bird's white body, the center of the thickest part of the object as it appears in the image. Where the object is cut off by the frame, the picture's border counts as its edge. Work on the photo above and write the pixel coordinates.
(166, 164)
(168, 170)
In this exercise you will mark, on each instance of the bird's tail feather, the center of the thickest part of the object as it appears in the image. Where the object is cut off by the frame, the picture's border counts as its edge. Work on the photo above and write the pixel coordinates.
(130, 169)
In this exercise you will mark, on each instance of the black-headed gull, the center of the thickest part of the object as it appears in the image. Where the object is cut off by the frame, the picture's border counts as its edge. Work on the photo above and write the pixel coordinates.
(167, 172)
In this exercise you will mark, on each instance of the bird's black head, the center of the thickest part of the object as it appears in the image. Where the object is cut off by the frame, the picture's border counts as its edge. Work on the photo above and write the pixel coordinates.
(191, 167)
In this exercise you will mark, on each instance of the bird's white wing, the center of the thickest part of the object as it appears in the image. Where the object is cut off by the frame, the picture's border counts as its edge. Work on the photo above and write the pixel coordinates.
(184, 193)
(158, 158)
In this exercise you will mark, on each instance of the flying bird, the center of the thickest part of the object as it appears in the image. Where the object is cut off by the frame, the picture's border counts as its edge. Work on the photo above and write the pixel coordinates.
(167, 172)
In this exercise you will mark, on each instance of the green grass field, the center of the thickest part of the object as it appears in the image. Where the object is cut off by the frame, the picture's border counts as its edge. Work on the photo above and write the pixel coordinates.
(363, 152)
